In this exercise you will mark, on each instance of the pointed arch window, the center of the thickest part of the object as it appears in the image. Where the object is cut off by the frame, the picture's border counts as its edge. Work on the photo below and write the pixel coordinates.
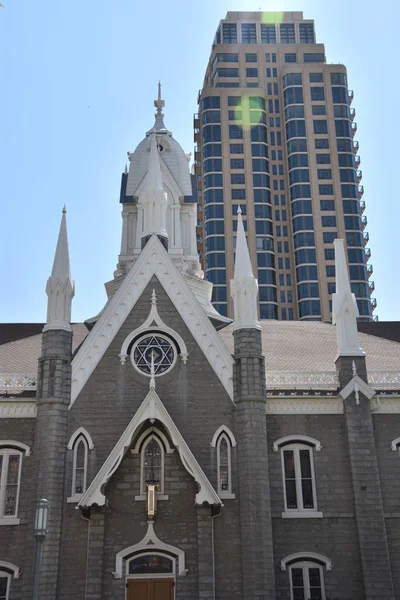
(152, 464)
(224, 440)
(80, 444)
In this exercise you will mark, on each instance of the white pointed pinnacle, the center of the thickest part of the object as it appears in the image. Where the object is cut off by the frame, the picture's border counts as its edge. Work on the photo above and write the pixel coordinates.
(344, 307)
(153, 197)
(60, 288)
(244, 286)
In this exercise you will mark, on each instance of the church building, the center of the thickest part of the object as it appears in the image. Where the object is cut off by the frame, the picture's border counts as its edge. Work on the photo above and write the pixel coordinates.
(161, 451)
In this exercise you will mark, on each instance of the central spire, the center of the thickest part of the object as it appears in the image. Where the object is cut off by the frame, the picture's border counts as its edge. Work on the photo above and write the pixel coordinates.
(154, 198)
(159, 126)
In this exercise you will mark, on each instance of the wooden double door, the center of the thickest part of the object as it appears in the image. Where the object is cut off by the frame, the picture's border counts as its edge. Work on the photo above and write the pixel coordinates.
(151, 589)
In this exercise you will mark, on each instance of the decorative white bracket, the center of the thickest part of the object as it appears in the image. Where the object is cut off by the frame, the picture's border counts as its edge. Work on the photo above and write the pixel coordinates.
(357, 385)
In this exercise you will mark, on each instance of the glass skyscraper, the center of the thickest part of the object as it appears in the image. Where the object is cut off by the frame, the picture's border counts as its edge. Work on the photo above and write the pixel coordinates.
(275, 135)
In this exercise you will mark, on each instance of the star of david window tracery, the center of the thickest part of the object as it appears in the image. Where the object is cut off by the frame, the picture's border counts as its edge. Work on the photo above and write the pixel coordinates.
(154, 348)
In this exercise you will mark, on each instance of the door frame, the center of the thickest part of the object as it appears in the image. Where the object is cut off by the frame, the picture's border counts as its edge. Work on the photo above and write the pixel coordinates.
(171, 575)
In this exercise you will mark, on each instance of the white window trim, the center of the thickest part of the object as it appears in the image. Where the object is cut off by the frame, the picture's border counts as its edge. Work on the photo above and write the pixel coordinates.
(305, 565)
(297, 442)
(168, 448)
(160, 494)
(305, 556)
(225, 494)
(292, 439)
(228, 432)
(6, 451)
(395, 445)
(77, 439)
(170, 575)
(76, 434)
(150, 543)
(11, 572)
(6, 574)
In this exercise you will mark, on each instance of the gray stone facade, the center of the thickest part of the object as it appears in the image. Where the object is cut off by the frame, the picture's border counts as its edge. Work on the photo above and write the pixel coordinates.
(232, 552)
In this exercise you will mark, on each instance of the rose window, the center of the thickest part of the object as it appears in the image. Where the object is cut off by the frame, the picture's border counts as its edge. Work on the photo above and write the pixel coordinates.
(153, 349)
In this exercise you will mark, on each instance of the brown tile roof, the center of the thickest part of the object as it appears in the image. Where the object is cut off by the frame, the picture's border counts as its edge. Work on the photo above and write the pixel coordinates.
(21, 355)
(312, 346)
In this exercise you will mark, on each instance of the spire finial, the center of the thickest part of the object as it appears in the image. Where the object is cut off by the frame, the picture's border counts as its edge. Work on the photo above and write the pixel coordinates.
(344, 307)
(159, 126)
(159, 103)
(64, 210)
(244, 286)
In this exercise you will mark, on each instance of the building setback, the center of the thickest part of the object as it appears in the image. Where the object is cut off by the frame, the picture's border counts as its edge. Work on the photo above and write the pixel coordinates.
(275, 135)
(185, 455)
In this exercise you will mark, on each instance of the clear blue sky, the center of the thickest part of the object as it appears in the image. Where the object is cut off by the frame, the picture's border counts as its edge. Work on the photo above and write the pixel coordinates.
(78, 80)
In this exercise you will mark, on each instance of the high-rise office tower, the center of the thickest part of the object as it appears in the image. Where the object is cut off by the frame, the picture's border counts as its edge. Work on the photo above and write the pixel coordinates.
(275, 136)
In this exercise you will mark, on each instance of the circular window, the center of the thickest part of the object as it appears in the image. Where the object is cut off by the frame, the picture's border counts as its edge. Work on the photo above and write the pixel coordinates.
(153, 348)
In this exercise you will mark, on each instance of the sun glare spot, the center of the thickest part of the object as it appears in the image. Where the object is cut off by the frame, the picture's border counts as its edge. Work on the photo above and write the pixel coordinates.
(272, 18)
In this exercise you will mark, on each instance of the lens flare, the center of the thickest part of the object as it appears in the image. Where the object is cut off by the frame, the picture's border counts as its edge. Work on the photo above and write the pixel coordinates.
(272, 18)
(249, 118)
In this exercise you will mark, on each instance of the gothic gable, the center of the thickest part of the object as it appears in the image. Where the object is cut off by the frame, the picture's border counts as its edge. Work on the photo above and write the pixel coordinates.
(153, 260)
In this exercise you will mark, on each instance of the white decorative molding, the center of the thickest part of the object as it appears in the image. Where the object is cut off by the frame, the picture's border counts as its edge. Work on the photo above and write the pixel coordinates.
(299, 556)
(7, 566)
(150, 543)
(76, 434)
(153, 260)
(15, 444)
(228, 432)
(384, 379)
(157, 432)
(302, 380)
(304, 406)
(18, 382)
(154, 323)
(151, 409)
(395, 444)
(302, 514)
(289, 439)
(357, 385)
(17, 409)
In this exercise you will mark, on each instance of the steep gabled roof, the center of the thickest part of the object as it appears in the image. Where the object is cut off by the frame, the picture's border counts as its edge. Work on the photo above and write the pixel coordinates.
(151, 409)
(153, 260)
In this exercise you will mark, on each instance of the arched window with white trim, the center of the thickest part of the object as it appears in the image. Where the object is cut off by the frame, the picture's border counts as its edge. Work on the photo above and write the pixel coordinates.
(8, 571)
(5, 581)
(80, 443)
(223, 441)
(152, 464)
(306, 581)
(11, 454)
(306, 575)
(299, 486)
